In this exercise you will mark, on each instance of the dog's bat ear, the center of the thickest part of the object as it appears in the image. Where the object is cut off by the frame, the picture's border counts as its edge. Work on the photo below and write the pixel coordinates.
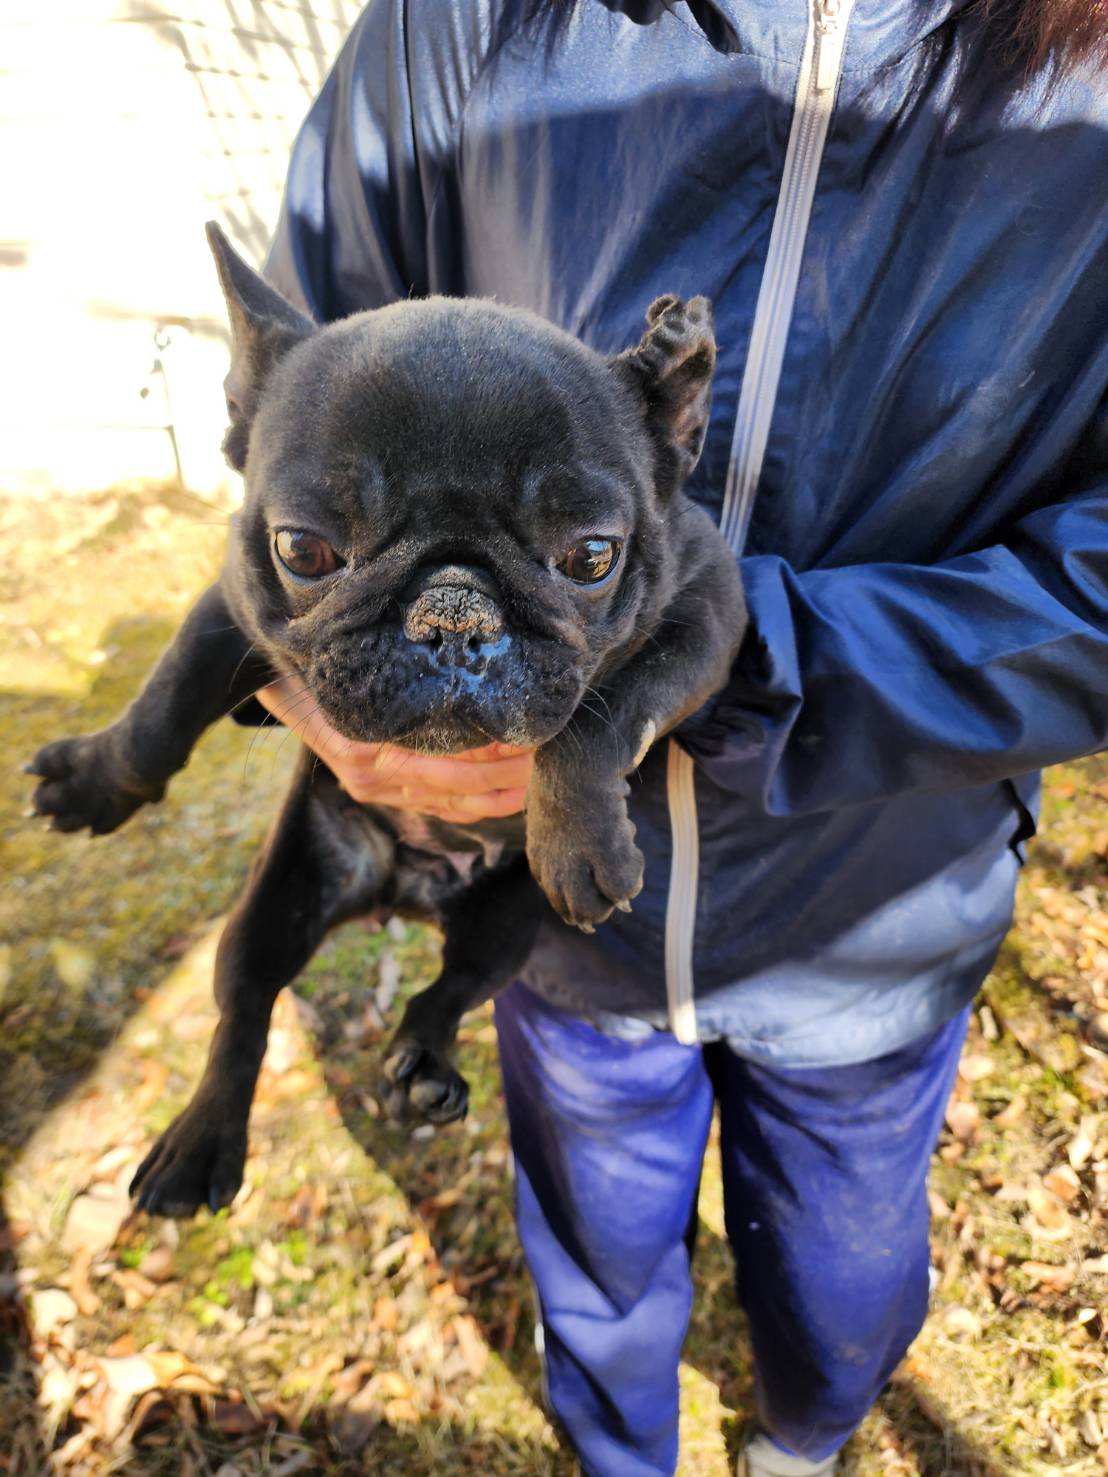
(263, 328)
(672, 369)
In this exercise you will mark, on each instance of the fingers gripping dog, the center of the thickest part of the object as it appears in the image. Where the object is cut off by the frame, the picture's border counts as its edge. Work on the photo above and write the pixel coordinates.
(460, 525)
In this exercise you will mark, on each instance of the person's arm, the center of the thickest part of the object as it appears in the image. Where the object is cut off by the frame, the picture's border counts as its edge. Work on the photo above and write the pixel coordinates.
(859, 683)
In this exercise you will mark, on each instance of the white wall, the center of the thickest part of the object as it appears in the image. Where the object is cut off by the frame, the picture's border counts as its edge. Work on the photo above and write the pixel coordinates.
(124, 125)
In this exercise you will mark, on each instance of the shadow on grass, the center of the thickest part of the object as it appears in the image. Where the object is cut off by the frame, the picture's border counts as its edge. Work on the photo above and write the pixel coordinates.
(116, 904)
(926, 1433)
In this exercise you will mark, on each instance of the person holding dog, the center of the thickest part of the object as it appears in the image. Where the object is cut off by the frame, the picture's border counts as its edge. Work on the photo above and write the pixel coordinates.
(900, 214)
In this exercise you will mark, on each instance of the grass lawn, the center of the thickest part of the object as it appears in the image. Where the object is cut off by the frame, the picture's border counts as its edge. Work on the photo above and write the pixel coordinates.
(363, 1308)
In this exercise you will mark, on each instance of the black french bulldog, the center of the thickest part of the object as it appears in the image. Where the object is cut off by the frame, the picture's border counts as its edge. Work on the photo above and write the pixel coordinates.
(460, 524)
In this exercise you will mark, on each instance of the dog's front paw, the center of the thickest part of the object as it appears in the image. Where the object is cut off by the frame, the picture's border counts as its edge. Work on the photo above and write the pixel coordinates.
(198, 1161)
(585, 871)
(81, 785)
(422, 1084)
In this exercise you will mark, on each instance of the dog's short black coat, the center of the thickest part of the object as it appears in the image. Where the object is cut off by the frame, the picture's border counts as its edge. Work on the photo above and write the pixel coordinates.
(460, 526)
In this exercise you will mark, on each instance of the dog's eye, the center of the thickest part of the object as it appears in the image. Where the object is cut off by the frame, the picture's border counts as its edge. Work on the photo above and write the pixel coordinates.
(305, 554)
(591, 560)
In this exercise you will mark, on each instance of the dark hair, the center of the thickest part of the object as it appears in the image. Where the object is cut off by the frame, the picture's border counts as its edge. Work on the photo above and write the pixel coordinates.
(1055, 34)
(1028, 36)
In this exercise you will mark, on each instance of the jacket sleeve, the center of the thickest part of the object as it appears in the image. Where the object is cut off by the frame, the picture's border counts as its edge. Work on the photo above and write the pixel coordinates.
(353, 225)
(862, 682)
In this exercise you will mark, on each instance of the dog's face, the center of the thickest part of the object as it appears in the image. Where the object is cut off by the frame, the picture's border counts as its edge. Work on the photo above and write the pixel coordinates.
(455, 514)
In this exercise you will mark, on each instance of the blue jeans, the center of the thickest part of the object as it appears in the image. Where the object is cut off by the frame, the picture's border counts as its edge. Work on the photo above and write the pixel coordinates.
(824, 1174)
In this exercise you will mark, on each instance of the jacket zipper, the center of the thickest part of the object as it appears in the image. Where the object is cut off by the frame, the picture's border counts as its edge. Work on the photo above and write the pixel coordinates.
(820, 69)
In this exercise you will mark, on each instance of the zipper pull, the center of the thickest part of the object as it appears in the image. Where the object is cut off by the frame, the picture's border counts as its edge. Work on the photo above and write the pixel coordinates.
(827, 53)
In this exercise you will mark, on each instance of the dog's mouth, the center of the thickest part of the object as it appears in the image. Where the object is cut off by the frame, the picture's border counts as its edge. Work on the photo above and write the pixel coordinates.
(444, 697)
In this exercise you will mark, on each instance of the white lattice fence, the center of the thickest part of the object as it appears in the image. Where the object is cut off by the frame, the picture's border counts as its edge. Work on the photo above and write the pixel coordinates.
(124, 125)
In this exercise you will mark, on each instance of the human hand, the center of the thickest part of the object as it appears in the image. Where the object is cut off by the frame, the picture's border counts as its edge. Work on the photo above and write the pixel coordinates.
(472, 786)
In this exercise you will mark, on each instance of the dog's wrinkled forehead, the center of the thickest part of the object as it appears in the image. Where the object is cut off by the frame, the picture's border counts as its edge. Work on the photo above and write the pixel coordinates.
(452, 399)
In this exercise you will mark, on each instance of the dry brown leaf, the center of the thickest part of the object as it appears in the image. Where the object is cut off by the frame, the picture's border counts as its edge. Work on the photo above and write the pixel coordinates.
(1008, 1117)
(938, 1206)
(390, 1382)
(152, 1410)
(391, 1254)
(435, 1204)
(961, 1322)
(1088, 1428)
(350, 1380)
(79, 1286)
(1063, 1182)
(196, 1384)
(155, 1075)
(420, 1246)
(1080, 1148)
(1043, 1274)
(1047, 1209)
(137, 1290)
(94, 1219)
(473, 1348)
(157, 1265)
(307, 1205)
(72, 1450)
(58, 1389)
(963, 1119)
(50, 1309)
(400, 1413)
(124, 1344)
(109, 1164)
(385, 1315)
(975, 1067)
(125, 1379)
(171, 1365)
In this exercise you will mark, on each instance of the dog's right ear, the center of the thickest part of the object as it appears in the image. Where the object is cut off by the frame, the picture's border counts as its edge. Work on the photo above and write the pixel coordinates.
(263, 328)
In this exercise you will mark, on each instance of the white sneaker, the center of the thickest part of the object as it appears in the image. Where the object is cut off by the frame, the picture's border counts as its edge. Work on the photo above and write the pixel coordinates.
(761, 1457)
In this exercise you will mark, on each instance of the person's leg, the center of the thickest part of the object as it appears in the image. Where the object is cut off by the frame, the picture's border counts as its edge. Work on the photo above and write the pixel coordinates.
(825, 1193)
(608, 1138)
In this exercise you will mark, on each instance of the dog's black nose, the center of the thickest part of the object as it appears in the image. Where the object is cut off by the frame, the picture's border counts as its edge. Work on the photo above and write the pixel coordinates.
(454, 616)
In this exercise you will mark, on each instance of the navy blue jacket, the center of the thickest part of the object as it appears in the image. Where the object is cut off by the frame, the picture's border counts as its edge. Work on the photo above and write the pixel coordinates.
(907, 251)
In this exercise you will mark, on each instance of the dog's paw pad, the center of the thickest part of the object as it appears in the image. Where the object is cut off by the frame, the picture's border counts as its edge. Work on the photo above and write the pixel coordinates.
(76, 790)
(423, 1085)
(197, 1161)
(585, 891)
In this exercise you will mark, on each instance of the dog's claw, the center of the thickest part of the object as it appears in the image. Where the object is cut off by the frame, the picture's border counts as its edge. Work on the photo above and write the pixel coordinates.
(624, 906)
(586, 928)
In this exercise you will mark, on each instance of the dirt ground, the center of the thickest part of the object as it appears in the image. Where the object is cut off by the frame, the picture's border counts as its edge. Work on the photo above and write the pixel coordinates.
(363, 1307)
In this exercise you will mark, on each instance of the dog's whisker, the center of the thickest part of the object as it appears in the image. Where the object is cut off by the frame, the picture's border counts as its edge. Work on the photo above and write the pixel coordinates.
(241, 663)
(270, 724)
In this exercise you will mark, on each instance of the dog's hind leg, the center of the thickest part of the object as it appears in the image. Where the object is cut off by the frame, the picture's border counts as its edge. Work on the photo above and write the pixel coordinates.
(317, 867)
(488, 934)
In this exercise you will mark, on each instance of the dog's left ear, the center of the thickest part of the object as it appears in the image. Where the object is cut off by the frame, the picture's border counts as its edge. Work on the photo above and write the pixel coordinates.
(672, 370)
(263, 328)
